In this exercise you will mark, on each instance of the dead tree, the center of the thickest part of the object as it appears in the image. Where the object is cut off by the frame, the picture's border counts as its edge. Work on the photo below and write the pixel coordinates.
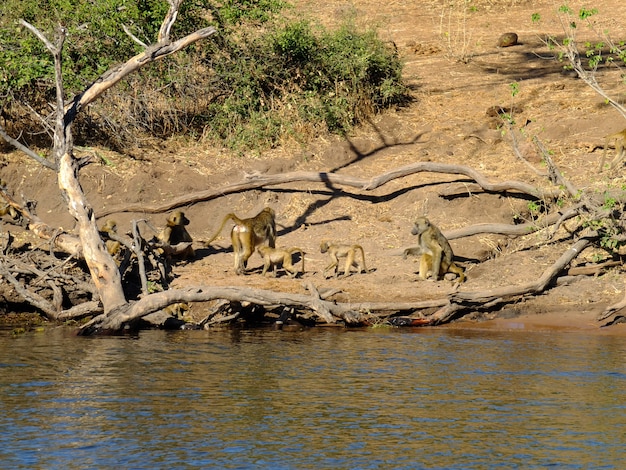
(102, 267)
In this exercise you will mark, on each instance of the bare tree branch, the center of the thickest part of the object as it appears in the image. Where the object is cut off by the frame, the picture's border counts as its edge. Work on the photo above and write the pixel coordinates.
(351, 313)
(18, 145)
(63, 241)
(331, 312)
(256, 180)
(32, 298)
(467, 301)
(533, 287)
(168, 21)
(152, 53)
(133, 37)
(554, 173)
(515, 230)
(102, 267)
(54, 50)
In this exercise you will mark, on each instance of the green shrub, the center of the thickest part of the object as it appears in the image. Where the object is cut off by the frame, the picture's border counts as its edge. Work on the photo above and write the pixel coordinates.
(307, 80)
(257, 82)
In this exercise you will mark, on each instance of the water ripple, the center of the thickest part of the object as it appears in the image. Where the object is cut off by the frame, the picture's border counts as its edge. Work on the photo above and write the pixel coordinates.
(313, 399)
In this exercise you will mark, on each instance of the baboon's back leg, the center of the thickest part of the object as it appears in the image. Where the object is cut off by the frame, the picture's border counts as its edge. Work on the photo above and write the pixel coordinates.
(349, 263)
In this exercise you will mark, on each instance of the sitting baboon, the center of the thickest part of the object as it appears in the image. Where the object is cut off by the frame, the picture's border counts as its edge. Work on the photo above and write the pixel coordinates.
(108, 232)
(175, 232)
(435, 251)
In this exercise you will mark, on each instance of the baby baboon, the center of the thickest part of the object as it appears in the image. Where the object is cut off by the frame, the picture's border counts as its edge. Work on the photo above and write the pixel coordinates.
(175, 232)
(283, 256)
(247, 234)
(336, 251)
(620, 149)
(435, 251)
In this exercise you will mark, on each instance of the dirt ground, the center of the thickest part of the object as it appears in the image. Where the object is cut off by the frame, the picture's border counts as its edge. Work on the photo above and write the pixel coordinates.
(457, 74)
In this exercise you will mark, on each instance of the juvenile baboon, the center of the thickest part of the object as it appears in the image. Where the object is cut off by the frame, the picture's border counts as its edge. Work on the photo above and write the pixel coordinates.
(336, 251)
(107, 232)
(273, 257)
(435, 251)
(249, 233)
(175, 232)
(620, 149)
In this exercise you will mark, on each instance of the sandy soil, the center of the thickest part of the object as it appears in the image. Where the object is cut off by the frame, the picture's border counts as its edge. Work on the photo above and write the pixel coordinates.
(457, 74)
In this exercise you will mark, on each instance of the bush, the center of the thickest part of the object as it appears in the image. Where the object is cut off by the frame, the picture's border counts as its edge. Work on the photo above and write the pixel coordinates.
(256, 83)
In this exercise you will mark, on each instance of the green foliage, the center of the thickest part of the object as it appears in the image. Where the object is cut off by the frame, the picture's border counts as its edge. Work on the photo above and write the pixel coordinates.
(95, 35)
(534, 207)
(95, 39)
(232, 12)
(294, 80)
(610, 203)
(295, 42)
(598, 54)
(608, 233)
(247, 87)
(565, 9)
(586, 13)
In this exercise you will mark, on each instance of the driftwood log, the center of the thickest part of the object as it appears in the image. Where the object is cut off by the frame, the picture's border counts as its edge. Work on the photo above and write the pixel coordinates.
(257, 180)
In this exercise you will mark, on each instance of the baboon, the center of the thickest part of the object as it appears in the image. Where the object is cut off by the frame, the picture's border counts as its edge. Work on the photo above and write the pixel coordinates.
(8, 209)
(177, 310)
(620, 149)
(108, 231)
(336, 251)
(175, 232)
(435, 251)
(283, 256)
(249, 233)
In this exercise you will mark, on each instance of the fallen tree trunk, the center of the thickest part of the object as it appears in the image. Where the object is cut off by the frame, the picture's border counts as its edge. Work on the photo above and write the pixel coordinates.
(256, 180)
(327, 311)
(470, 301)
(359, 313)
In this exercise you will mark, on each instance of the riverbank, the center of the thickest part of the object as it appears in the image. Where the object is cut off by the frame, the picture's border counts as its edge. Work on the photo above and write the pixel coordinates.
(547, 322)
(456, 81)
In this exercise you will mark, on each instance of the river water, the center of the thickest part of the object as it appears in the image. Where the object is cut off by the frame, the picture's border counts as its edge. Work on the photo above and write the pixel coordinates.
(322, 398)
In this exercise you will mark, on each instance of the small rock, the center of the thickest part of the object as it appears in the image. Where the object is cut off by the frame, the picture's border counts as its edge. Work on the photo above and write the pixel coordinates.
(507, 40)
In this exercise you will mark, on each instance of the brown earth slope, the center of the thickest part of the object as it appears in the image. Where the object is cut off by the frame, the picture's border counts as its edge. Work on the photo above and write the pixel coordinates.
(457, 74)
